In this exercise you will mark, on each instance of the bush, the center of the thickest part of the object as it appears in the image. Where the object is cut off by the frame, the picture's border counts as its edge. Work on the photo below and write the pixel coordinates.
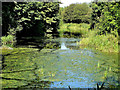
(7, 40)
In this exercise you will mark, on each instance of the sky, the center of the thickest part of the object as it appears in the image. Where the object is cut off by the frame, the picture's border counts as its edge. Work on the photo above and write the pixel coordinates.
(68, 2)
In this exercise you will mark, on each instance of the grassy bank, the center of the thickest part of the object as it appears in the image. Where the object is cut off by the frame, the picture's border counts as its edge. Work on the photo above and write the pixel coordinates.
(73, 28)
(105, 43)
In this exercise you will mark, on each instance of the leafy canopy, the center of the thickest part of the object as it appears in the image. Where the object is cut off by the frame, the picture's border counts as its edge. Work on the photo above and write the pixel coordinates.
(77, 13)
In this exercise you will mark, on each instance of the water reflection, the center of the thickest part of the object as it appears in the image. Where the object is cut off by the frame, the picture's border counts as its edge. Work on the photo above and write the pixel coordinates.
(59, 68)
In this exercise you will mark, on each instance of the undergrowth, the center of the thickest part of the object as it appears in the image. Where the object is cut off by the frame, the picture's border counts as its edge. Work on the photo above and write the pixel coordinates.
(8, 40)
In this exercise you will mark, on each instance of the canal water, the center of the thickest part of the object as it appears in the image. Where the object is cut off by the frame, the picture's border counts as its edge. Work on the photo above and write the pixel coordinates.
(60, 64)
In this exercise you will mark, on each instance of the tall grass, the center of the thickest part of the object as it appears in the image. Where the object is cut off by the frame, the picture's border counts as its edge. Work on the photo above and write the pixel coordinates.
(105, 43)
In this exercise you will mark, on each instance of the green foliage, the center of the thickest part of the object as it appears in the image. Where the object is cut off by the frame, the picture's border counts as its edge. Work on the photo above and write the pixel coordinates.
(106, 16)
(105, 43)
(77, 13)
(74, 28)
(8, 40)
(33, 12)
(30, 18)
(8, 14)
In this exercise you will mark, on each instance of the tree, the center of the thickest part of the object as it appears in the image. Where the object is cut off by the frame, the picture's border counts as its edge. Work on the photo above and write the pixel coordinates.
(30, 17)
(106, 17)
(7, 17)
(77, 13)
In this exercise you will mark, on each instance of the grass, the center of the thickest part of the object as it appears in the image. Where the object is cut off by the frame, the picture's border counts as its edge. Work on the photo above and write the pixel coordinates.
(81, 29)
(105, 43)
(90, 38)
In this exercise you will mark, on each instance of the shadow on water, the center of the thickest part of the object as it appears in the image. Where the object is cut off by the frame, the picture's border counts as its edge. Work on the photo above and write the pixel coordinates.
(32, 42)
(59, 64)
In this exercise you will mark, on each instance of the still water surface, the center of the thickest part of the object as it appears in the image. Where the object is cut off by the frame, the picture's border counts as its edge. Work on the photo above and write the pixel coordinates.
(61, 63)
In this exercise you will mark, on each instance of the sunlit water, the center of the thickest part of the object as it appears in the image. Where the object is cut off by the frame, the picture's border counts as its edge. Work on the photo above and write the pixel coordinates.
(67, 65)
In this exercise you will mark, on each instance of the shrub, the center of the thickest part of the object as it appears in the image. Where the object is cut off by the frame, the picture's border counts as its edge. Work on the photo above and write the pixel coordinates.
(7, 40)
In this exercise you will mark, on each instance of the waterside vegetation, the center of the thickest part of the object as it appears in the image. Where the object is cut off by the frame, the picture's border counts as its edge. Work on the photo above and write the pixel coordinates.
(102, 29)
(30, 58)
